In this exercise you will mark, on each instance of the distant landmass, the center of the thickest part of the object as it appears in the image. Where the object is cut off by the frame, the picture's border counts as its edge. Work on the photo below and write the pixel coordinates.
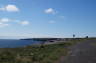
(40, 39)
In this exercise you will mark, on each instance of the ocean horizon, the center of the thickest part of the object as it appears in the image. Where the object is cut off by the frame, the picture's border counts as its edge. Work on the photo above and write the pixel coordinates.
(13, 43)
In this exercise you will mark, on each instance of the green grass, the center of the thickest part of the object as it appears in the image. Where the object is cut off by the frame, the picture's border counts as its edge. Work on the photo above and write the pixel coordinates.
(35, 53)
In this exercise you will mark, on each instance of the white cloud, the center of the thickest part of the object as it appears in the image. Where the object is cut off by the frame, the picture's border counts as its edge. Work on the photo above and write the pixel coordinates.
(24, 22)
(52, 22)
(50, 11)
(5, 20)
(3, 24)
(10, 8)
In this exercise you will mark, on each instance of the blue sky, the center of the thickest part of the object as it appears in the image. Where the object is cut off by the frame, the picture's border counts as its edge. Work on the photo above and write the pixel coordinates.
(47, 18)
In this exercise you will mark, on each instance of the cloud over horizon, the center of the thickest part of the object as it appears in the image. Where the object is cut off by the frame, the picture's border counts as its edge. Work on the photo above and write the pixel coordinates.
(3, 20)
(3, 24)
(7, 21)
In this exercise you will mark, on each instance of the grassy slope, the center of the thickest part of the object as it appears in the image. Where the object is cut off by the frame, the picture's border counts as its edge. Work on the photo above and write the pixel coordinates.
(35, 54)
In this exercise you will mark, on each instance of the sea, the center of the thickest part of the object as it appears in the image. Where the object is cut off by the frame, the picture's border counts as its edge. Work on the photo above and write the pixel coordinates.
(13, 43)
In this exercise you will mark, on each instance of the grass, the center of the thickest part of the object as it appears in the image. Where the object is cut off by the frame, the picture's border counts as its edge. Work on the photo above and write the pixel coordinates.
(35, 54)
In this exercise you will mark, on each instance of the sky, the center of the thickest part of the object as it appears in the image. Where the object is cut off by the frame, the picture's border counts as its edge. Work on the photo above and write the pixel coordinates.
(47, 18)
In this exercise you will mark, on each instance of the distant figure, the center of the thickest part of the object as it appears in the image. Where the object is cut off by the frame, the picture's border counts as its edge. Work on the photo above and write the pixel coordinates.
(86, 37)
(73, 35)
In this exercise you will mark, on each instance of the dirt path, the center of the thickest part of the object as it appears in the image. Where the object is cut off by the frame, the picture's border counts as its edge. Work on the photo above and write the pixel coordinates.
(83, 52)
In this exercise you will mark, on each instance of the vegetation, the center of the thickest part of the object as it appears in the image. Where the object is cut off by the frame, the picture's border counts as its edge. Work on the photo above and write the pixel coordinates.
(35, 53)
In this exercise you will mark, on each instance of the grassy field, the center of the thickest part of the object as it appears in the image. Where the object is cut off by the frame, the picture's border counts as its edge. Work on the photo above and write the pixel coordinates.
(36, 53)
